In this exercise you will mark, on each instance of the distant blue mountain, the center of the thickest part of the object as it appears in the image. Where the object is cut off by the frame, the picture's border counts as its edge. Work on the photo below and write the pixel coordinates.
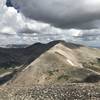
(95, 47)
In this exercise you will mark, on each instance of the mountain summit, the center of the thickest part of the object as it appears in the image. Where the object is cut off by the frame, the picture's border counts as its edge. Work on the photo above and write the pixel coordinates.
(58, 62)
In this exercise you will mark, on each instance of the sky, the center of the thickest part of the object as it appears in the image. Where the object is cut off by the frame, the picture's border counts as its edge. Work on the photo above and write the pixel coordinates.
(30, 21)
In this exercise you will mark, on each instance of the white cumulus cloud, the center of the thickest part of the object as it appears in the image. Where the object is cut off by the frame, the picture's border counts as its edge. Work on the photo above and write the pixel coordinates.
(50, 20)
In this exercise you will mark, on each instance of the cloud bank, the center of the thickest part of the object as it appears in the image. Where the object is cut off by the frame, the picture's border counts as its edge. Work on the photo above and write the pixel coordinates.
(62, 13)
(31, 21)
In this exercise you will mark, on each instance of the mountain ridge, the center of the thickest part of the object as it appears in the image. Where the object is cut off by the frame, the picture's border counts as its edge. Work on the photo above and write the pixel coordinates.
(55, 70)
(60, 62)
(64, 60)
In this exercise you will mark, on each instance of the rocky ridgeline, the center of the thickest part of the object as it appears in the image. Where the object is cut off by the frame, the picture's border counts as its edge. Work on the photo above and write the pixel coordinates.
(52, 92)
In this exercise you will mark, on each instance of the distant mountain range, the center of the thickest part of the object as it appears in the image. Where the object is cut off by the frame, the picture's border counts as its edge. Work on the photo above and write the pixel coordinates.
(14, 46)
(26, 45)
(17, 45)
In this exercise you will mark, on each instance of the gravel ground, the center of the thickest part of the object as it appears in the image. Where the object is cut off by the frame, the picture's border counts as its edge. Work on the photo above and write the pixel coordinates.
(52, 92)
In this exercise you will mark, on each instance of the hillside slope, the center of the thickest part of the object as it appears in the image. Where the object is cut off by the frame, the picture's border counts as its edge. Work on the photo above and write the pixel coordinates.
(61, 63)
(15, 59)
(10, 57)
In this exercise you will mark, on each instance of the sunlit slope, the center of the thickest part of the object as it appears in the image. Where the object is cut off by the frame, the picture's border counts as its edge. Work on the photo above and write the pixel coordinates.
(62, 63)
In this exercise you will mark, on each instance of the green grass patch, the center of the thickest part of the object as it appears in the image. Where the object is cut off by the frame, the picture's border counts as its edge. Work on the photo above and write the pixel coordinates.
(7, 66)
(93, 66)
(98, 62)
(65, 77)
(3, 70)
(51, 72)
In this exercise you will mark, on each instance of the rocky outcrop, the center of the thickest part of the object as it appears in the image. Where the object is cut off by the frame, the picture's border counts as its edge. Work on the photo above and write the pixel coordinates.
(52, 92)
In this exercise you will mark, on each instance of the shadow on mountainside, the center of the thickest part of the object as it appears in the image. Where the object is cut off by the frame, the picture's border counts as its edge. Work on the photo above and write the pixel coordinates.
(12, 57)
(6, 78)
(92, 78)
(72, 45)
(37, 49)
(20, 56)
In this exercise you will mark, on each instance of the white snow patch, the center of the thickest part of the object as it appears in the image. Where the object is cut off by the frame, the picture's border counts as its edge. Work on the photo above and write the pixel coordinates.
(26, 68)
(70, 62)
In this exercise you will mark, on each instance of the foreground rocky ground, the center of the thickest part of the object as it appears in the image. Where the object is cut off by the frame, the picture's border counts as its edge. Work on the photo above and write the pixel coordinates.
(52, 92)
